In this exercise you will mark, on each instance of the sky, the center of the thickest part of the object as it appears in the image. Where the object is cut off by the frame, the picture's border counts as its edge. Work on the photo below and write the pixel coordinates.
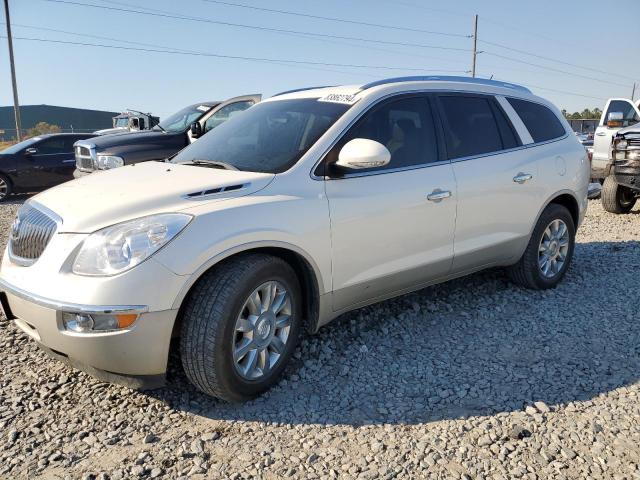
(580, 51)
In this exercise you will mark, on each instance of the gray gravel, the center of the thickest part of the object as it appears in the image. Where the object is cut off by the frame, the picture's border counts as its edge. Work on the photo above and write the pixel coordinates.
(474, 379)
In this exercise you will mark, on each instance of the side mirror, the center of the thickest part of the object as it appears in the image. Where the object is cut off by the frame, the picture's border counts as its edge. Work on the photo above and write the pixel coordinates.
(362, 153)
(614, 120)
(141, 124)
(196, 130)
(31, 151)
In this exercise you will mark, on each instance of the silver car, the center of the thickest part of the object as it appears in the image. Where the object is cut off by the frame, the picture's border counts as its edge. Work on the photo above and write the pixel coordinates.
(310, 204)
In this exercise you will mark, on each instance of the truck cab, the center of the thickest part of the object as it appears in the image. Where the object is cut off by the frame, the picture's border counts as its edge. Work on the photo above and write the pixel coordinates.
(618, 113)
(130, 121)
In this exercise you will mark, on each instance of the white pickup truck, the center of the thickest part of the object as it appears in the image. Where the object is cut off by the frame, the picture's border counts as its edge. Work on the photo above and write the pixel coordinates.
(618, 113)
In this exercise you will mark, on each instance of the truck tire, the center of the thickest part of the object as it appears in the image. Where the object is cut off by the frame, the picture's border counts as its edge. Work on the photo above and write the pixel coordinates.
(549, 251)
(616, 198)
(240, 326)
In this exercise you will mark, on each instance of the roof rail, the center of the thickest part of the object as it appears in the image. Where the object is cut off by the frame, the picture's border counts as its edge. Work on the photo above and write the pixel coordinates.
(445, 78)
(301, 90)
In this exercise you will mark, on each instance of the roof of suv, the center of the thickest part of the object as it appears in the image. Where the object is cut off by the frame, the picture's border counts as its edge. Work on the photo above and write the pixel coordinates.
(356, 89)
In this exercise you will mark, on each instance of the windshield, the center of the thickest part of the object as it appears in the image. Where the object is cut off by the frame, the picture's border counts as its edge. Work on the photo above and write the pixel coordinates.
(122, 122)
(269, 137)
(180, 121)
(19, 146)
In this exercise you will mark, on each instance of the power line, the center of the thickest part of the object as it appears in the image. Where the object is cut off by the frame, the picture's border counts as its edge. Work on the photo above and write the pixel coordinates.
(231, 57)
(519, 30)
(524, 52)
(164, 14)
(335, 19)
(552, 69)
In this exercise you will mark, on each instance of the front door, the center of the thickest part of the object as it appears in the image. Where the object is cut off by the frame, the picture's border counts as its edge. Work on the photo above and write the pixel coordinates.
(224, 111)
(604, 134)
(52, 162)
(392, 227)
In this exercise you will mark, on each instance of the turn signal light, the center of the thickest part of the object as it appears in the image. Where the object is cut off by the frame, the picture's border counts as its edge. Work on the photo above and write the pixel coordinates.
(86, 323)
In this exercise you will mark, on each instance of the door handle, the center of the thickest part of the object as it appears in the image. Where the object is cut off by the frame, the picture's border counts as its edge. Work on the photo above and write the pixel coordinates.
(438, 195)
(522, 177)
(601, 134)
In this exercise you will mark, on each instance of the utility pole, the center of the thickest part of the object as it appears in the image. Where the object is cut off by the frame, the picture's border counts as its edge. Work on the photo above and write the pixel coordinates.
(475, 45)
(16, 104)
(633, 92)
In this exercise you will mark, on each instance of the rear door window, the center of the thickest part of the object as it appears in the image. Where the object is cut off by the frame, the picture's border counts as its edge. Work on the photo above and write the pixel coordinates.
(471, 127)
(542, 123)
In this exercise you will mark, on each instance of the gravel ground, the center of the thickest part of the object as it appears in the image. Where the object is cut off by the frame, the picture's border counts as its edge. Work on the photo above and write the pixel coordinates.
(472, 379)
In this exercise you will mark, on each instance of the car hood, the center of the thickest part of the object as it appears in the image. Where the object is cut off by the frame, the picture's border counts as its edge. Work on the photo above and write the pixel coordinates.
(113, 196)
(104, 142)
(630, 129)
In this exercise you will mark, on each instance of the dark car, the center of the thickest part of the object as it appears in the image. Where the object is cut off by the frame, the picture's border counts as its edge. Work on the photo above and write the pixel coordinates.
(164, 140)
(38, 163)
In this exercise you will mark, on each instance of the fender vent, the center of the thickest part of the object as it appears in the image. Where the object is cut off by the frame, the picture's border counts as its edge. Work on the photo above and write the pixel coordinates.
(214, 191)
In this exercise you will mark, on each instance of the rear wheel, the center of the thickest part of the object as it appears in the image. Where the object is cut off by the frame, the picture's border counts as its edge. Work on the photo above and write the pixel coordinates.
(240, 326)
(549, 252)
(617, 198)
(5, 187)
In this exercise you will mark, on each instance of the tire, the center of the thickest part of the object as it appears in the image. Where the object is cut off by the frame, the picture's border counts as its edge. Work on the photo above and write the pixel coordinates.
(529, 272)
(616, 198)
(209, 337)
(5, 187)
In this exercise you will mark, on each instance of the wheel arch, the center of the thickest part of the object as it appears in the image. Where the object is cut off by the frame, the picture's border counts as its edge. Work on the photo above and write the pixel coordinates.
(306, 270)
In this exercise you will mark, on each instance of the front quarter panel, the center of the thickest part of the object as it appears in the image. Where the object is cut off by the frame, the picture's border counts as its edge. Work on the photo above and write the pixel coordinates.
(297, 220)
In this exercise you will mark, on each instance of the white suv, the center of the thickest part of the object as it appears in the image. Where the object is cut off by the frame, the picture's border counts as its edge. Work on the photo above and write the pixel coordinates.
(312, 203)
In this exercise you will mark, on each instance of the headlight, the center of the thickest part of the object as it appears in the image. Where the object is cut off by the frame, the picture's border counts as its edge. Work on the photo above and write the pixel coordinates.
(120, 247)
(106, 162)
(621, 145)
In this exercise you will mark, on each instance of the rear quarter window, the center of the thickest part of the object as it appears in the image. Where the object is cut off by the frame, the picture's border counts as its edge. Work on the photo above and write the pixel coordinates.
(542, 123)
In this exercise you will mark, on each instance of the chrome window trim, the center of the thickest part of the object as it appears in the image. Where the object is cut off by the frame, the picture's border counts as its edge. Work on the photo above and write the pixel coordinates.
(69, 307)
(426, 165)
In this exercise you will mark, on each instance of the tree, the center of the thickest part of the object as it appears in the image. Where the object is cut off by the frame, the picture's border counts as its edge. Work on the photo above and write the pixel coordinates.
(42, 128)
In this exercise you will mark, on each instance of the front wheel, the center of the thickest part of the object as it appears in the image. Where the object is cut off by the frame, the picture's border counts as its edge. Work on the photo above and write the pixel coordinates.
(549, 252)
(240, 326)
(616, 198)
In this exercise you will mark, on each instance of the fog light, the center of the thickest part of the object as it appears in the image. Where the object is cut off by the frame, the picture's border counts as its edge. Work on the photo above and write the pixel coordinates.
(82, 322)
(77, 322)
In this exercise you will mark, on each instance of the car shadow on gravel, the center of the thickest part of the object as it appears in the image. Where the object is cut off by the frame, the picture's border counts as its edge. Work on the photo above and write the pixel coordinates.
(473, 346)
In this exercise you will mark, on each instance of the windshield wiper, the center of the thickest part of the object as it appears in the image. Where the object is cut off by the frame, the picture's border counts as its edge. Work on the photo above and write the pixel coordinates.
(213, 164)
(160, 127)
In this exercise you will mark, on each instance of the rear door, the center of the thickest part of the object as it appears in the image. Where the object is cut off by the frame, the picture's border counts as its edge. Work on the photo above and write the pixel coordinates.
(498, 195)
(225, 111)
(604, 134)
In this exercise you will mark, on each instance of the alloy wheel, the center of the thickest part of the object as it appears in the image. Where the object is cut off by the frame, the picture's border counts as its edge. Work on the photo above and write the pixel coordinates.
(553, 248)
(4, 188)
(262, 330)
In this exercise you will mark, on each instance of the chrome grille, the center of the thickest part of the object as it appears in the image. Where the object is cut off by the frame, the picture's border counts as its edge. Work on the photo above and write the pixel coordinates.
(31, 232)
(84, 159)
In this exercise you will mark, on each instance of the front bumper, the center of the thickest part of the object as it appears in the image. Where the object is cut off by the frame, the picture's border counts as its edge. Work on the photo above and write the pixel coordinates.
(135, 357)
